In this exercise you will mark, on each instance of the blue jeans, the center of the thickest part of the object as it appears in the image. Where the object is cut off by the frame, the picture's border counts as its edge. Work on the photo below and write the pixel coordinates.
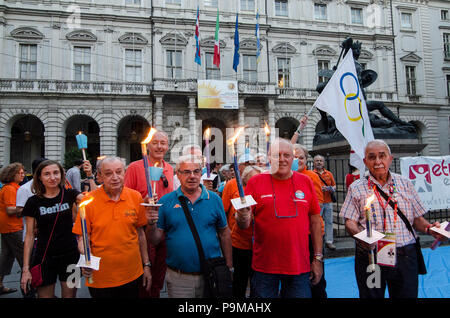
(327, 215)
(292, 286)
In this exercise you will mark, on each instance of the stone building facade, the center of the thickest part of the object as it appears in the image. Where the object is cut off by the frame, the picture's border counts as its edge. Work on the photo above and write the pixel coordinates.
(113, 69)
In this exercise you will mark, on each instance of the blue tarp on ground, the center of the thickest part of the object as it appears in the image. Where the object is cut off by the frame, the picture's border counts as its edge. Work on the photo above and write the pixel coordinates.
(341, 281)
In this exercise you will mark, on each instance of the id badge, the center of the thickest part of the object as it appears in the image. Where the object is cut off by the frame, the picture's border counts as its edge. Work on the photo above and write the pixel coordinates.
(387, 252)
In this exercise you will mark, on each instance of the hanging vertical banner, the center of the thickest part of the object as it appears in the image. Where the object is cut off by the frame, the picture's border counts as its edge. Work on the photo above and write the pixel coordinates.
(431, 179)
(217, 94)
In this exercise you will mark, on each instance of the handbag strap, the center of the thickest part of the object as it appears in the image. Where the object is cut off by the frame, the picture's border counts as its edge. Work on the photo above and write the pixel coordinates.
(56, 220)
(399, 212)
(190, 221)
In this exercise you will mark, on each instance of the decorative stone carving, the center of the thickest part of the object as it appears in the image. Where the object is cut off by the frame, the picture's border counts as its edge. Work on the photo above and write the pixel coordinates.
(81, 35)
(324, 50)
(209, 43)
(284, 48)
(133, 38)
(171, 39)
(27, 33)
(411, 57)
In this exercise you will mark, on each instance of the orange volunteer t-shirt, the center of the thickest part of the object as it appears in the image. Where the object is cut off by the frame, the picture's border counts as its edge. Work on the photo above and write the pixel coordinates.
(227, 194)
(329, 179)
(9, 224)
(240, 238)
(112, 229)
(316, 182)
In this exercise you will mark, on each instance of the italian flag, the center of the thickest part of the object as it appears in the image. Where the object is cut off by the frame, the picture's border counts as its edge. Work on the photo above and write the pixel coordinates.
(216, 59)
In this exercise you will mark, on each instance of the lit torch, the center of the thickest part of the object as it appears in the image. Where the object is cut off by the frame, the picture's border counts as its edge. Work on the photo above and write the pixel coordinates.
(144, 143)
(207, 136)
(82, 143)
(84, 230)
(267, 132)
(232, 144)
(367, 208)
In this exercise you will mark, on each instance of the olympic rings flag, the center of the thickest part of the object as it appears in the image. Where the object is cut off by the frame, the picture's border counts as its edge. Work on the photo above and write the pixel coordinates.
(343, 100)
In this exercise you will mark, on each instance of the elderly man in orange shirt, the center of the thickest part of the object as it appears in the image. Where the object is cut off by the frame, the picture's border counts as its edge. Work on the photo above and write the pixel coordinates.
(115, 224)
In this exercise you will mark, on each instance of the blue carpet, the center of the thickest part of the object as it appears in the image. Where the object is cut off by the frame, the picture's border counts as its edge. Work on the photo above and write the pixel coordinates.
(341, 281)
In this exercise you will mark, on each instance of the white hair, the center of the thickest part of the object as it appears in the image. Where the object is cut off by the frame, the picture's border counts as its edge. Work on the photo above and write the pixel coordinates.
(248, 170)
(276, 143)
(377, 142)
(100, 163)
(189, 159)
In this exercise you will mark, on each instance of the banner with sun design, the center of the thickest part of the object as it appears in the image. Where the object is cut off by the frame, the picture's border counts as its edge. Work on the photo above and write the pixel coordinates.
(217, 94)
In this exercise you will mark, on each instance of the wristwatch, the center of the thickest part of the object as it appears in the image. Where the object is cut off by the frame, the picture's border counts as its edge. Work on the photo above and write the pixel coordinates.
(149, 264)
(319, 257)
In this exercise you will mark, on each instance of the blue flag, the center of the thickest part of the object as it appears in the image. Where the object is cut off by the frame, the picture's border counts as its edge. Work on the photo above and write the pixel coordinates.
(236, 46)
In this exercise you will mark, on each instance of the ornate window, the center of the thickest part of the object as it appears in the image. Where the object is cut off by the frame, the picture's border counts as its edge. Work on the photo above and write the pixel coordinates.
(281, 8)
(173, 64)
(27, 61)
(133, 65)
(250, 68)
(82, 63)
(284, 72)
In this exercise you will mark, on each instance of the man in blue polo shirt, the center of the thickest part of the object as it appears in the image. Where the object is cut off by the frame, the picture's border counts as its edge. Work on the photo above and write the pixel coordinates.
(184, 278)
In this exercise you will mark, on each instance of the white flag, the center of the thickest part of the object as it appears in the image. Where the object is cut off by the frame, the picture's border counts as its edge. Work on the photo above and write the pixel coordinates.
(343, 99)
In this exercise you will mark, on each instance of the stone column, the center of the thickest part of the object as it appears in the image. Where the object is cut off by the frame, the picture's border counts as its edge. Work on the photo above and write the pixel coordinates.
(108, 134)
(193, 137)
(241, 122)
(271, 115)
(158, 123)
(55, 141)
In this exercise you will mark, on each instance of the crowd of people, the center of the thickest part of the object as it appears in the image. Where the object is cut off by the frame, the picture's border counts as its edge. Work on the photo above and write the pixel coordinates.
(274, 248)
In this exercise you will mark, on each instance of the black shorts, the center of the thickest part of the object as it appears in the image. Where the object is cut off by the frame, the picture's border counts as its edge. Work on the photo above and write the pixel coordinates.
(56, 266)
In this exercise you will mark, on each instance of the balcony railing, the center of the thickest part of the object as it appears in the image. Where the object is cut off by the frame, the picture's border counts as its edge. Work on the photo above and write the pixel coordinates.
(73, 87)
(162, 85)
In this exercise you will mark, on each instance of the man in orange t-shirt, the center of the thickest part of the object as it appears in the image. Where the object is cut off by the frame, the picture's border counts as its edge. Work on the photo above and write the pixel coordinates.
(11, 223)
(115, 222)
(328, 187)
(135, 179)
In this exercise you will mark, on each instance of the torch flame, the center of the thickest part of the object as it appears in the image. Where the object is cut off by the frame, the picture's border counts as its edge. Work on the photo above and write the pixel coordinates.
(233, 139)
(156, 164)
(369, 201)
(79, 133)
(149, 137)
(101, 158)
(207, 133)
(267, 129)
(86, 202)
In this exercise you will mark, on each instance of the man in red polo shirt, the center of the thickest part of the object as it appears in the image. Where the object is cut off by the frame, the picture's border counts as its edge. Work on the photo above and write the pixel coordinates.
(135, 179)
(287, 209)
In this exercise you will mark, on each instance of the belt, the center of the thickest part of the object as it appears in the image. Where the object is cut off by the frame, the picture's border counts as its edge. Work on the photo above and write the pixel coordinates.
(178, 271)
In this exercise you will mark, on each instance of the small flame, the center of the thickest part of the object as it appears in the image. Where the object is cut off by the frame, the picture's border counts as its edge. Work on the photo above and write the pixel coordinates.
(266, 129)
(233, 139)
(149, 137)
(369, 201)
(207, 133)
(86, 202)
(156, 164)
(101, 158)
(79, 133)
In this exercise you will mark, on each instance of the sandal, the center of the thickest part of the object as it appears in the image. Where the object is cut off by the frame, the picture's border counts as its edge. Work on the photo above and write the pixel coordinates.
(6, 290)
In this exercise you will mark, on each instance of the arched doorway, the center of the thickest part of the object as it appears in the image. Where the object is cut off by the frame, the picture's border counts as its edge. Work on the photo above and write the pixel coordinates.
(27, 140)
(286, 127)
(217, 140)
(88, 126)
(130, 132)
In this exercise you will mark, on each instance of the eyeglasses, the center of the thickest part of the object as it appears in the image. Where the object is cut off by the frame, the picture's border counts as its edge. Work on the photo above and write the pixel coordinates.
(292, 197)
(195, 172)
